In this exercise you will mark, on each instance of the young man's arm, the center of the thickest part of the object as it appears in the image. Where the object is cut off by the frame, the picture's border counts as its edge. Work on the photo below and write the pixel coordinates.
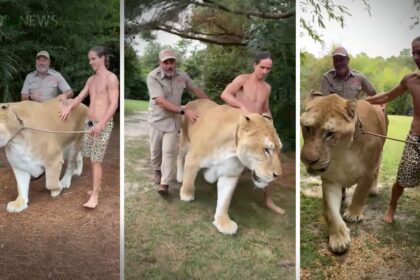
(113, 94)
(390, 95)
(66, 110)
(229, 94)
(266, 108)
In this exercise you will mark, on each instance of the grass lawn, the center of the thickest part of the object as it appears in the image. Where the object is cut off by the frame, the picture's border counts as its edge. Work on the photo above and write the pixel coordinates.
(378, 250)
(131, 106)
(166, 238)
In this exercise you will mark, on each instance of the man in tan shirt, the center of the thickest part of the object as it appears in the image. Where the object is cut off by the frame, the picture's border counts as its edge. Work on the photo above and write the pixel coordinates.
(346, 82)
(102, 88)
(45, 83)
(251, 94)
(343, 80)
(166, 84)
(408, 175)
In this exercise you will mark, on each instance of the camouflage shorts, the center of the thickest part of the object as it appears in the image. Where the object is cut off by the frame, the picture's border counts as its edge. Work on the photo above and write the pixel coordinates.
(94, 147)
(409, 170)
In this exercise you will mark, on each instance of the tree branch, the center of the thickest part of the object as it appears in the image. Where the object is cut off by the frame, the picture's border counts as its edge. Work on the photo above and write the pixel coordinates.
(264, 15)
(201, 38)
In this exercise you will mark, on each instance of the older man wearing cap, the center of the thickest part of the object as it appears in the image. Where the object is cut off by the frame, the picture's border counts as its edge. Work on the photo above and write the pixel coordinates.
(166, 85)
(344, 81)
(45, 83)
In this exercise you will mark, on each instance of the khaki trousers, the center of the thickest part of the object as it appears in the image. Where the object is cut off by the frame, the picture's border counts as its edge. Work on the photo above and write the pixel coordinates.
(164, 152)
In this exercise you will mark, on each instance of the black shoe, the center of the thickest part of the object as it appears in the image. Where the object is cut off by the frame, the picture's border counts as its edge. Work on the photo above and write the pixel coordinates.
(157, 177)
(163, 189)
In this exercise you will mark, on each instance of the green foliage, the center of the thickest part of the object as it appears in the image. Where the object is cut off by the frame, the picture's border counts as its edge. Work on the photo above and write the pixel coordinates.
(227, 23)
(383, 73)
(135, 84)
(219, 66)
(8, 69)
(67, 30)
(279, 38)
(216, 65)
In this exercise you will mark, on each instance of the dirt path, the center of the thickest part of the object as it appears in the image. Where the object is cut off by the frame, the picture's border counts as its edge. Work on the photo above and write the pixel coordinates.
(56, 238)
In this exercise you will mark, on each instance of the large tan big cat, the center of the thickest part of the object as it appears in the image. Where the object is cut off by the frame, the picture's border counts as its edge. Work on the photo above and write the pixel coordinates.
(31, 153)
(335, 148)
(223, 141)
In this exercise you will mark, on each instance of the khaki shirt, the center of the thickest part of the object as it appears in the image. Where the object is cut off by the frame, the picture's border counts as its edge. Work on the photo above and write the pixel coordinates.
(355, 85)
(171, 89)
(49, 86)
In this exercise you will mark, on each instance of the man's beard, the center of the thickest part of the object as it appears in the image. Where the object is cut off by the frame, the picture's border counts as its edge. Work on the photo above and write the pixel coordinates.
(42, 69)
(169, 74)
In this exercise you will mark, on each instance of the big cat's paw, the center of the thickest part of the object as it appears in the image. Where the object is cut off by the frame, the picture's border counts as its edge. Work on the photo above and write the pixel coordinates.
(17, 206)
(339, 242)
(56, 192)
(225, 225)
(186, 195)
(352, 217)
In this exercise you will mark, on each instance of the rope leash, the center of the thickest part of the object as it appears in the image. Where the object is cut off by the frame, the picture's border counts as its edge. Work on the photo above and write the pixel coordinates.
(56, 131)
(383, 136)
(22, 127)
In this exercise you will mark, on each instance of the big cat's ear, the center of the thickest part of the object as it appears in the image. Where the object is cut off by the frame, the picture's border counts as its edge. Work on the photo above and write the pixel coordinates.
(315, 94)
(351, 106)
(244, 120)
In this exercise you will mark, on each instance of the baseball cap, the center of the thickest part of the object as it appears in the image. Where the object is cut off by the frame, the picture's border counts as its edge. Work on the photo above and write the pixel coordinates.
(167, 54)
(43, 53)
(340, 51)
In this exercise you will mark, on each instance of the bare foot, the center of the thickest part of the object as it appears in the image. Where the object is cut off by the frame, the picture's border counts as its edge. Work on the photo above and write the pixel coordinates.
(275, 208)
(389, 215)
(92, 202)
(91, 192)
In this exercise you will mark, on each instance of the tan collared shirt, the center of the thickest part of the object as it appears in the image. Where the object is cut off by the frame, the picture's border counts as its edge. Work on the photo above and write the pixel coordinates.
(49, 86)
(355, 85)
(171, 89)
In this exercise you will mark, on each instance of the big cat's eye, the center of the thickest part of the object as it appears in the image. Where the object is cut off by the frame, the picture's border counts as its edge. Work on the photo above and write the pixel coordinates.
(329, 134)
(307, 128)
(267, 152)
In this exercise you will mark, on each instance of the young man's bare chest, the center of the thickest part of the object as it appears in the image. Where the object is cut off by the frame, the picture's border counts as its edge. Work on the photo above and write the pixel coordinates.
(254, 92)
(98, 87)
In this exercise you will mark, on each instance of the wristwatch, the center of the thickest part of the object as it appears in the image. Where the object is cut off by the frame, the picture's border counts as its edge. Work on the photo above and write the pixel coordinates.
(182, 111)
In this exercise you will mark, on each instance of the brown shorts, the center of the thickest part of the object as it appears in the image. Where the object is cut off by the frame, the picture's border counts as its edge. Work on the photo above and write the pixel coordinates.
(94, 147)
(408, 175)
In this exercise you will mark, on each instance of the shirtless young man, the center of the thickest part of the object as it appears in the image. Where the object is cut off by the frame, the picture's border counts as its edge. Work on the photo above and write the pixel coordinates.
(409, 170)
(103, 90)
(250, 93)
